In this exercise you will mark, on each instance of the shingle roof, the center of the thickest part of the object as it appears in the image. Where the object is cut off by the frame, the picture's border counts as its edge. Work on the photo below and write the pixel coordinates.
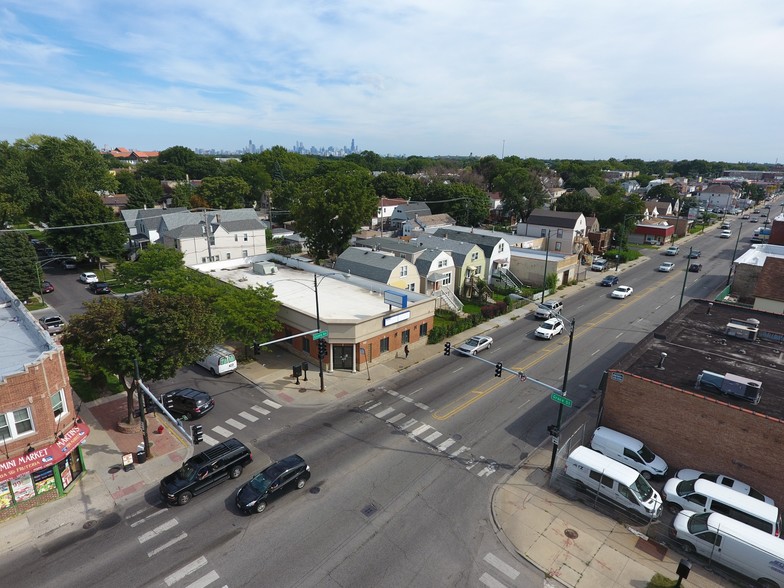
(389, 244)
(459, 249)
(553, 218)
(424, 262)
(373, 265)
(486, 242)
(248, 224)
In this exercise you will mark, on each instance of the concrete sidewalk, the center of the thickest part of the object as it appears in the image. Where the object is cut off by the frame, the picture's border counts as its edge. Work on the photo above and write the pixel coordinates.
(570, 542)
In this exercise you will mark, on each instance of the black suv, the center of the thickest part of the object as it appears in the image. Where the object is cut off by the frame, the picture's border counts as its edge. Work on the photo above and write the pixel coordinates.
(188, 403)
(205, 470)
(272, 482)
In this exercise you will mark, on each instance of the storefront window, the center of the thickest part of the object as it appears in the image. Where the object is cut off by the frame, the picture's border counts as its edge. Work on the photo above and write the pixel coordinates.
(406, 336)
(23, 488)
(423, 330)
(6, 499)
(384, 344)
(44, 481)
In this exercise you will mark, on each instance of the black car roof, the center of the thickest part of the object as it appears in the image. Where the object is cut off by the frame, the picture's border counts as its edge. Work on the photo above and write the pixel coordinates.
(217, 451)
(277, 468)
(188, 393)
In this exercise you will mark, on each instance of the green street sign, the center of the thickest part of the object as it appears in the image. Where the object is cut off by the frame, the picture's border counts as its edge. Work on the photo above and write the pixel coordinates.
(567, 402)
(320, 335)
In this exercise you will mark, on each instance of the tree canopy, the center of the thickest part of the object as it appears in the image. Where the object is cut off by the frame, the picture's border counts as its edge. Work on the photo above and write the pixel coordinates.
(19, 264)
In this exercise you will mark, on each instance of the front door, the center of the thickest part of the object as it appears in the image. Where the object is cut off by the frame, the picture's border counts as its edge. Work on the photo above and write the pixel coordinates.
(343, 357)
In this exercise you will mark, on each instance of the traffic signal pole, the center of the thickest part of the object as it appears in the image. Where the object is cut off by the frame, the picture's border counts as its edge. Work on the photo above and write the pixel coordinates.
(557, 436)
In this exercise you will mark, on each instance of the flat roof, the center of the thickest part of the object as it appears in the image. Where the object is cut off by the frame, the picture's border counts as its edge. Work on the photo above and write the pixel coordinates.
(695, 340)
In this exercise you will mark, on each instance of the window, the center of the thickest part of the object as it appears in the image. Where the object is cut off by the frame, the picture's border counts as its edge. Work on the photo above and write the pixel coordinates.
(710, 537)
(16, 423)
(236, 238)
(403, 270)
(627, 494)
(557, 245)
(447, 279)
(544, 233)
(384, 344)
(212, 240)
(603, 480)
(245, 236)
(697, 499)
(474, 256)
(58, 403)
(412, 287)
(559, 233)
(228, 256)
(423, 330)
(632, 455)
(500, 247)
(244, 253)
(406, 336)
(306, 345)
(442, 263)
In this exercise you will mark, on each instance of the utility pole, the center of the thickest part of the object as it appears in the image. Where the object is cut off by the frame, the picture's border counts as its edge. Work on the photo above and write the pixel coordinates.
(142, 415)
(557, 437)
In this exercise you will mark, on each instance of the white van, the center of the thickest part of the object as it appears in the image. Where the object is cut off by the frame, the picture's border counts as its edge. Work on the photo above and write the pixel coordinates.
(702, 496)
(613, 481)
(629, 451)
(220, 361)
(737, 546)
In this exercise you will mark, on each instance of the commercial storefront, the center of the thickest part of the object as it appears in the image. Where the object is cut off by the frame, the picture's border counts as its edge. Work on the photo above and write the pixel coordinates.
(43, 474)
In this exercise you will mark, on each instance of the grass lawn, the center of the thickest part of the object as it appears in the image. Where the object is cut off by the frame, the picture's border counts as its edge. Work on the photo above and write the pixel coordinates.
(88, 389)
(471, 308)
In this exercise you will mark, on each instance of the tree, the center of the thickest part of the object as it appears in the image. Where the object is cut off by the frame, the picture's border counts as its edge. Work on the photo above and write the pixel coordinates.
(146, 192)
(93, 228)
(224, 192)
(331, 209)
(576, 202)
(521, 191)
(396, 185)
(151, 263)
(178, 156)
(19, 264)
(663, 192)
(467, 204)
(183, 195)
(14, 181)
(160, 332)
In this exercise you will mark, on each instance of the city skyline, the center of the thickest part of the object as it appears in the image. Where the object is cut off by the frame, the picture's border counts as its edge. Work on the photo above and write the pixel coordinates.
(661, 80)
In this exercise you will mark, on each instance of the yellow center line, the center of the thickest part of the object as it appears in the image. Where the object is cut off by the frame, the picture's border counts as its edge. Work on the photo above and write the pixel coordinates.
(472, 396)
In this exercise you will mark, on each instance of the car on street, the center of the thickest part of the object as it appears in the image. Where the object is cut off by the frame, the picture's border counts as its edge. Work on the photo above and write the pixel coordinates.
(600, 265)
(88, 278)
(475, 344)
(68, 263)
(549, 309)
(666, 266)
(721, 479)
(695, 267)
(726, 234)
(754, 220)
(52, 324)
(271, 483)
(695, 253)
(622, 292)
(99, 288)
(609, 281)
(746, 217)
(672, 250)
(47, 287)
(187, 403)
(549, 328)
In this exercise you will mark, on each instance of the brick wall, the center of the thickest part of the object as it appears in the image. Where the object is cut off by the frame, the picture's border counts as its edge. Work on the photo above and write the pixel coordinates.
(693, 431)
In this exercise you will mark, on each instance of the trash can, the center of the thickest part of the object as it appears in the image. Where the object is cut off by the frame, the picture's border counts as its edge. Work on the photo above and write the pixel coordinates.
(141, 456)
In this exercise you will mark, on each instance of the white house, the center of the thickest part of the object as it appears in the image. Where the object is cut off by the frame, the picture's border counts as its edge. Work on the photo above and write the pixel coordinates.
(566, 230)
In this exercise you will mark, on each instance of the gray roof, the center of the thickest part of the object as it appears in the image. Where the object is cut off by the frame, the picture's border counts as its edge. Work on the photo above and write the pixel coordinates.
(459, 249)
(553, 218)
(424, 261)
(367, 263)
(486, 242)
(249, 224)
(130, 216)
(185, 232)
(389, 244)
(412, 209)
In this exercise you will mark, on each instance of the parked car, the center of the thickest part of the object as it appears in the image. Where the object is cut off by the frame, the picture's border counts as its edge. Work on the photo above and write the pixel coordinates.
(272, 482)
(99, 288)
(47, 287)
(549, 309)
(220, 361)
(622, 292)
(672, 250)
(695, 267)
(746, 217)
(600, 265)
(609, 281)
(188, 402)
(205, 470)
(88, 278)
(732, 483)
(68, 263)
(666, 266)
(52, 324)
(475, 344)
(629, 451)
(754, 220)
(549, 328)
(695, 253)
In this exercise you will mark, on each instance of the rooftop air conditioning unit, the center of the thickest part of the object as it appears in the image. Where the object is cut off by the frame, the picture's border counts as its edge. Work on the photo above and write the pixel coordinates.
(742, 329)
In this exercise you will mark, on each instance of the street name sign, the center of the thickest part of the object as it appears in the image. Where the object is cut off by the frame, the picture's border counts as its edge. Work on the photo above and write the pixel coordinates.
(567, 402)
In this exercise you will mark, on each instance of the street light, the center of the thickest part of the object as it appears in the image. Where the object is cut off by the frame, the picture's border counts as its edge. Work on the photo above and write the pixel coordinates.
(734, 251)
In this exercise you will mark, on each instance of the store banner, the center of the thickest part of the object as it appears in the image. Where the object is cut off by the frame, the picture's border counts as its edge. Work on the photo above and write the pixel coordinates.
(38, 459)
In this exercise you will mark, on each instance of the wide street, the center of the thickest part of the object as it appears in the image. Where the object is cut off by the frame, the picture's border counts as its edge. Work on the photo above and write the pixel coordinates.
(401, 475)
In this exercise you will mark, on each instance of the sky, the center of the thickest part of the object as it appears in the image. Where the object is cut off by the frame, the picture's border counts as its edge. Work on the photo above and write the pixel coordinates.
(583, 79)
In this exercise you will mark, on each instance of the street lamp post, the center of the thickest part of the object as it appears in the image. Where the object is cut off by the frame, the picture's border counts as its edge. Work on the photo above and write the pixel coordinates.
(546, 258)
(734, 251)
(557, 438)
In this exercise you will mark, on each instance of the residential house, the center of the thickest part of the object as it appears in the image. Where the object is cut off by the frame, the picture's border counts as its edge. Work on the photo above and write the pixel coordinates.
(386, 206)
(630, 186)
(428, 223)
(747, 269)
(379, 266)
(495, 246)
(717, 196)
(564, 232)
(599, 240)
(132, 157)
(656, 208)
(117, 202)
(591, 192)
(652, 231)
(404, 212)
(436, 267)
(468, 258)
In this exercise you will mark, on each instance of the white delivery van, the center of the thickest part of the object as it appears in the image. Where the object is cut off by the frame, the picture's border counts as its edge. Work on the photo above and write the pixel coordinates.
(704, 496)
(736, 546)
(629, 451)
(220, 361)
(614, 481)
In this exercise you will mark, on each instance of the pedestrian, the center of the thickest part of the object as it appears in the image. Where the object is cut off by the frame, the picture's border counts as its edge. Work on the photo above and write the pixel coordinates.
(405, 350)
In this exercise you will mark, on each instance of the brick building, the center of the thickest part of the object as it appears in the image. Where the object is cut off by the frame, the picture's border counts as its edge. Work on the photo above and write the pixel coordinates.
(40, 429)
(654, 397)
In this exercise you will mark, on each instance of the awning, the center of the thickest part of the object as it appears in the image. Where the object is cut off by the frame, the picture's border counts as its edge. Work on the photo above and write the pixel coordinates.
(45, 457)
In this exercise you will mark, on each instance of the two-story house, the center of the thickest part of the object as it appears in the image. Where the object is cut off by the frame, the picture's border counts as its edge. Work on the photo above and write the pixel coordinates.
(718, 196)
(428, 223)
(386, 206)
(404, 212)
(495, 246)
(564, 232)
(379, 266)
(469, 260)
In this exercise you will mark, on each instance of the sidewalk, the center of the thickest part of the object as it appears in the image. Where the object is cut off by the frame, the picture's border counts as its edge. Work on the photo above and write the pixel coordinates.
(571, 543)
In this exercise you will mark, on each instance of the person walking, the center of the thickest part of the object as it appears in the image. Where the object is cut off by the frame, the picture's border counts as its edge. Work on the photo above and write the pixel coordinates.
(405, 350)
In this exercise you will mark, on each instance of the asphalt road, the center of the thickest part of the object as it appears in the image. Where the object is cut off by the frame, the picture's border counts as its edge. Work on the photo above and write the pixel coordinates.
(402, 476)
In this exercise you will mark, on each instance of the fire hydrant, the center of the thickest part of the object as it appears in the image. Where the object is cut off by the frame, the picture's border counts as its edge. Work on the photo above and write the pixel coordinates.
(160, 429)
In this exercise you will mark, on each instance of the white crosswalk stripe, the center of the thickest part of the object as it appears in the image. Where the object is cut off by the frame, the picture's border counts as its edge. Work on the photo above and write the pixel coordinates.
(422, 406)
(501, 566)
(459, 451)
(491, 582)
(431, 437)
(372, 406)
(158, 530)
(166, 545)
(235, 423)
(185, 570)
(209, 440)
(145, 519)
(408, 423)
(223, 432)
(260, 410)
(205, 580)
(393, 393)
(271, 403)
(446, 445)
(396, 418)
(248, 417)
(419, 430)
(385, 412)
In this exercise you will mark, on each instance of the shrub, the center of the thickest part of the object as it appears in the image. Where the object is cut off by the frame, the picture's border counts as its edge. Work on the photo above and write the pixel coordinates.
(493, 310)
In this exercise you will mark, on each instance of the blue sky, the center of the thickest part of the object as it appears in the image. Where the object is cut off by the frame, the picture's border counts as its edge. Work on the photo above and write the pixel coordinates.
(662, 79)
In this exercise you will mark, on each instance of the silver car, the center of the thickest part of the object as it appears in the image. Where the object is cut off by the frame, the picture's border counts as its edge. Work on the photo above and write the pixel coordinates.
(475, 344)
(52, 324)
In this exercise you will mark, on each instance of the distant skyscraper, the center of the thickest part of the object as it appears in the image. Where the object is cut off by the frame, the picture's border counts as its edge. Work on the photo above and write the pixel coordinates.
(352, 145)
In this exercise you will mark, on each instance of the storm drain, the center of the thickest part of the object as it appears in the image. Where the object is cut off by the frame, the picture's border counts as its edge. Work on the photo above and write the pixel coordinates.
(571, 533)
(89, 524)
(315, 490)
(369, 510)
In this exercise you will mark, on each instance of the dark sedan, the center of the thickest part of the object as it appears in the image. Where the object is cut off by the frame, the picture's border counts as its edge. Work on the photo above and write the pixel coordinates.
(695, 253)
(695, 267)
(274, 481)
(99, 288)
(47, 287)
(609, 281)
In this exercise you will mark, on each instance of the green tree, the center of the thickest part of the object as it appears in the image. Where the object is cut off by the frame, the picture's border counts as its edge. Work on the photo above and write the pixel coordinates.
(331, 209)
(126, 181)
(146, 192)
(467, 204)
(161, 333)
(19, 264)
(178, 156)
(10, 210)
(86, 227)
(14, 180)
(183, 195)
(394, 185)
(152, 262)
(576, 202)
(224, 192)
(663, 191)
(521, 191)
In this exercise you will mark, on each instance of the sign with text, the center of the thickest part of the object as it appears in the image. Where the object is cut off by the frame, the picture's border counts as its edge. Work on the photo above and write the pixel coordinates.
(567, 402)
(45, 456)
(320, 335)
(397, 318)
(395, 299)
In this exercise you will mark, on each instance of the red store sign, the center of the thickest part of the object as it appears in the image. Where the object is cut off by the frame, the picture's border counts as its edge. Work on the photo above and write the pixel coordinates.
(44, 457)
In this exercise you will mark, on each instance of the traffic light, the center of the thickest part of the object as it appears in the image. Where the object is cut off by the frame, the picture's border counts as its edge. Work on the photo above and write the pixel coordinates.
(197, 434)
(256, 347)
(447, 348)
(499, 369)
(322, 348)
(168, 402)
(553, 430)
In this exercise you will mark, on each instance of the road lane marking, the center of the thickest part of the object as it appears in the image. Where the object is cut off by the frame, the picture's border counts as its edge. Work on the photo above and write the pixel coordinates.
(385, 412)
(205, 580)
(248, 417)
(209, 440)
(372, 406)
(396, 418)
(459, 451)
(491, 582)
(408, 424)
(147, 518)
(223, 432)
(157, 530)
(432, 437)
(422, 406)
(502, 566)
(166, 545)
(269, 402)
(260, 410)
(406, 399)
(392, 393)
(446, 445)
(417, 390)
(419, 430)
(184, 571)
(235, 423)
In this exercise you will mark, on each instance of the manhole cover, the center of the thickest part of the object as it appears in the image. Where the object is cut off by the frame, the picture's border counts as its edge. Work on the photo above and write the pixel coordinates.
(89, 524)
(315, 490)
(457, 437)
(369, 510)
(571, 533)
(114, 469)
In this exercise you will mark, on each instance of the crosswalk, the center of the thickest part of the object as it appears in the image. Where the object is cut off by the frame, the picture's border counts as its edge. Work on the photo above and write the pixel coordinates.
(232, 425)
(419, 431)
(498, 567)
(158, 532)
